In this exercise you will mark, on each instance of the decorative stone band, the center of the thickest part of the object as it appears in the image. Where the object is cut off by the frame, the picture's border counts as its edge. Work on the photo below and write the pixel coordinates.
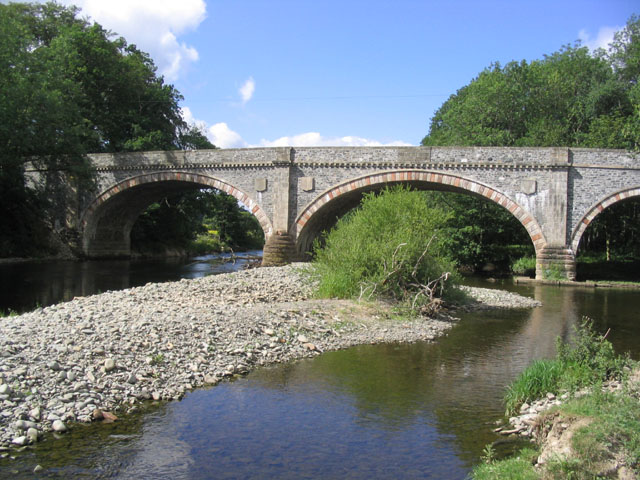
(595, 211)
(180, 176)
(423, 176)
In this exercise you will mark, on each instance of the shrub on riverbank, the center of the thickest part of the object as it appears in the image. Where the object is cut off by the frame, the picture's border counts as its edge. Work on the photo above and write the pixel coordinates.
(393, 247)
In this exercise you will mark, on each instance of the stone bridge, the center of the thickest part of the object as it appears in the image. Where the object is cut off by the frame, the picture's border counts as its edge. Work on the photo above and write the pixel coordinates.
(296, 193)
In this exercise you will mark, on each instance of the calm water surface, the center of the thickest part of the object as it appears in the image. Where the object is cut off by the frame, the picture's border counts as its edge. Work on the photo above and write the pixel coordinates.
(386, 411)
(25, 286)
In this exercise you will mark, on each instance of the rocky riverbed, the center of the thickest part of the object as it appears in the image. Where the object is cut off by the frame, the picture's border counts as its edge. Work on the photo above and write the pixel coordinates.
(95, 357)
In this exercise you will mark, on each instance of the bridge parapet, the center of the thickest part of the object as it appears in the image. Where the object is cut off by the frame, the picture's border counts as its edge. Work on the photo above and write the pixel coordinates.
(604, 158)
(230, 158)
(396, 155)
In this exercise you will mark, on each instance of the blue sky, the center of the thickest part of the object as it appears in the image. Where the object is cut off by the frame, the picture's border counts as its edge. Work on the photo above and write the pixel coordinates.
(350, 72)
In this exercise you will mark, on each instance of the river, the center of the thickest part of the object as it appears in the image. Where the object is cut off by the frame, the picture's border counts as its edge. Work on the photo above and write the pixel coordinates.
(375, 411)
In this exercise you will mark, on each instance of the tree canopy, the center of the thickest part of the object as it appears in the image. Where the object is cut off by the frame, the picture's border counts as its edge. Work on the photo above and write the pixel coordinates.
(569, 98)
(69, 87)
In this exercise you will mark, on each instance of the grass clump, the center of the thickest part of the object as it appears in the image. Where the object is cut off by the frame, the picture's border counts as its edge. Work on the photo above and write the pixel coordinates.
(587, 361)
(534, 382)
(519, 467)
(524, 266)
(393, 247)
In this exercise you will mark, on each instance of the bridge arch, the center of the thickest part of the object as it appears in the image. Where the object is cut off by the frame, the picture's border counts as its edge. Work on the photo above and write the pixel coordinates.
(309, 222)
(107, 221)
(596, 209)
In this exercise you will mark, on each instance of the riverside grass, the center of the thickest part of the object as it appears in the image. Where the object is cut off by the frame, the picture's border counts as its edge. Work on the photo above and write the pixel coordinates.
(587, 362)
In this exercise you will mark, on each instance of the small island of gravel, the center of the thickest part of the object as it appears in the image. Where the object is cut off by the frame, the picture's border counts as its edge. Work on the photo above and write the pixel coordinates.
(80, 360)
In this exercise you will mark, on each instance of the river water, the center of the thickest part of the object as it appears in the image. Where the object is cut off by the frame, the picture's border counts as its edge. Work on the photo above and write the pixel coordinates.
(422, 410)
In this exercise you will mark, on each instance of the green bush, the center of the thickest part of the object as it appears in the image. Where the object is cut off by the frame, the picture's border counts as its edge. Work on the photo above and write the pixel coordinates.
(389, 247)
(590, 359)
(205, 243)
(554, 271)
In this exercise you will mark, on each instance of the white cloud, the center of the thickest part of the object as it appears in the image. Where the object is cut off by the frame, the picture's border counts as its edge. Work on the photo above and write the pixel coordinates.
(223, 137)
(187, 116)
(153, 25)
(314, 139)
(602, 40)
(246, 90)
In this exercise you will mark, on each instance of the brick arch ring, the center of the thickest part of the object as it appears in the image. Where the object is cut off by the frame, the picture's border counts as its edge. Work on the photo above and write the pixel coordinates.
(424, 176)
(203, 180)
(594, 211)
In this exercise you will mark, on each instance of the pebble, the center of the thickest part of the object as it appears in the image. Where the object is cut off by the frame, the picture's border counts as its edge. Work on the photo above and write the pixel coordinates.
(109, 364)
(158, 341)
(58, 426)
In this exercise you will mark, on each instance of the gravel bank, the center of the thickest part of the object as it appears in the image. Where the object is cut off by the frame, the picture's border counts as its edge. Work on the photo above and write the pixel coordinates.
(82, 360)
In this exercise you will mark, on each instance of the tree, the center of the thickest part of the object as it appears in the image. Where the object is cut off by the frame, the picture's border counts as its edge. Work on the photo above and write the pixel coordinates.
(175, 221)
(569, 98)
(479, 232)
(67, 88)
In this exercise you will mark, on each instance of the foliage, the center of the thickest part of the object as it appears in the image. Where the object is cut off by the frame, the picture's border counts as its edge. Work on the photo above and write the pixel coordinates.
(480, 232)
(589, 360)
(391, 246)
(614, 233)
(8, 313)
(524, 266)
(186, 220)
(569, 98)
(205, 243)
(520, 467)
(554, 271)
(67, 88)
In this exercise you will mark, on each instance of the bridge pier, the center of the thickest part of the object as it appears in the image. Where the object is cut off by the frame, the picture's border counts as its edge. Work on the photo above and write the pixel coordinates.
(555, 263)
(279, 249)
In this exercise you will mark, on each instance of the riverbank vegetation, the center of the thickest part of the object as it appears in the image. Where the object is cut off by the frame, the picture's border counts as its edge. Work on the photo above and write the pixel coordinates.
(392, 246)
(197, 222)
(604, 423)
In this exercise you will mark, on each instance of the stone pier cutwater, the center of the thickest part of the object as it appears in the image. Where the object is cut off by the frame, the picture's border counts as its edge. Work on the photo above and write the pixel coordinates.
(296, 193)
